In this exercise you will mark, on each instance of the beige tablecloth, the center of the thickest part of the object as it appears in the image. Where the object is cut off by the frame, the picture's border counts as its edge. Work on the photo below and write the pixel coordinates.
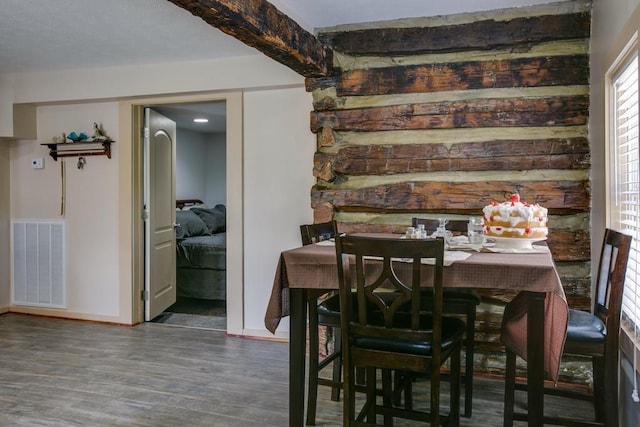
(314, 267)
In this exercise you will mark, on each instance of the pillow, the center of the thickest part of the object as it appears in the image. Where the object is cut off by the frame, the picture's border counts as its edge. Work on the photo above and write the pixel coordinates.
(190, 225)
(215, 219)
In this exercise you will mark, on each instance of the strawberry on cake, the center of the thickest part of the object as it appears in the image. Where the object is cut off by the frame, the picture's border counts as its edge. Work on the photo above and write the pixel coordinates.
(515, 219)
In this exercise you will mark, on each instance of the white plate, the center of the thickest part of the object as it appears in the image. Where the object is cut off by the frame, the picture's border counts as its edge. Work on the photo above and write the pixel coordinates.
(515, 242)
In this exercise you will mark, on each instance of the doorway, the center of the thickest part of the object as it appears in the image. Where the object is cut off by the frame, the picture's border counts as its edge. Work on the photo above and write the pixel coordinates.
(200, 211)
(131, 112)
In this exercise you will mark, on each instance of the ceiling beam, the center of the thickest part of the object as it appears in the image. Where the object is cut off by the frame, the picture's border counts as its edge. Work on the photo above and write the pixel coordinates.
(261, 25)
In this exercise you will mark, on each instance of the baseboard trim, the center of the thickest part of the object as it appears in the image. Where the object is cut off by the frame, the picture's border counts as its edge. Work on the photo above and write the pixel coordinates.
(263, 334)
(69, 315)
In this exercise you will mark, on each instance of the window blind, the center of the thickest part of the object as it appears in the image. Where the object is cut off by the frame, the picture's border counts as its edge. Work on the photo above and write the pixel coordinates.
(625, 201)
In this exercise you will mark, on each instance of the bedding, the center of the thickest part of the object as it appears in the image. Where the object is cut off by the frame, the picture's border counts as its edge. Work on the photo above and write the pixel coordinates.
(201, 250)
(214, 218)
(189, 225)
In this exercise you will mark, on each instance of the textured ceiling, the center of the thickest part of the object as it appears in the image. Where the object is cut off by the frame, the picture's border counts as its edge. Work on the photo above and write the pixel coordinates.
(38, 35)
(59, 34)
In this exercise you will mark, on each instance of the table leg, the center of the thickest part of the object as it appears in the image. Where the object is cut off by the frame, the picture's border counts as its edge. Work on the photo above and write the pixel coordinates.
(535, 358)
(297, 344)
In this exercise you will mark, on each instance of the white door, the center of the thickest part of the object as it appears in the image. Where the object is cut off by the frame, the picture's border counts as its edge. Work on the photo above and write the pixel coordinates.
(160, 212)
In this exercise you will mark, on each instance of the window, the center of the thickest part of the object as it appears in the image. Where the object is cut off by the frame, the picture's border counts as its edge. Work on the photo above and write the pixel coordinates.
(624, 174)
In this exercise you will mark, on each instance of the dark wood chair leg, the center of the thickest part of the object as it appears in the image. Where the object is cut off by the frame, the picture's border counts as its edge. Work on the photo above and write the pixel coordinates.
(469, 353)
(402, 383)
(599, 388)
(314, 349)
(360, 376)
(371, 394)
(398, 384)
(408, 390)
(509, 389)
(454, 412)
(337, 364)
(387, 398)
(610, 367)
(435, 396)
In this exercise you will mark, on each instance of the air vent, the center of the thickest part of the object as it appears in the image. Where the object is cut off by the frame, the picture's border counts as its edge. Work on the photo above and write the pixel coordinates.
(38, 260)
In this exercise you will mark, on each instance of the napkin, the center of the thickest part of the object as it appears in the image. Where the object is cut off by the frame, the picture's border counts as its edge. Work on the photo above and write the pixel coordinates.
(449, 257)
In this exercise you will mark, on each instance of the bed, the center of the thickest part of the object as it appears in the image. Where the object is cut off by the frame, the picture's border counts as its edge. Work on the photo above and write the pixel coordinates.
(201, 257)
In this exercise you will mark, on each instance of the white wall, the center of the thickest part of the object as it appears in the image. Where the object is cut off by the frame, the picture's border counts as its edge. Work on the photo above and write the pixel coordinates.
(91, 204)
(190, 164)
(201, 166)
(6, 109)
(278, 161)
(98, 273)
(216, 171)
(4, 226)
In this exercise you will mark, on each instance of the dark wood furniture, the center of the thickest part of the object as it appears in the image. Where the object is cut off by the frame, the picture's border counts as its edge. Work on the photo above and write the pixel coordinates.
(593, 335)
(314, 267)
(187, 203)
(323, 311)
(392, 328)
(463, 302)
(79, 148)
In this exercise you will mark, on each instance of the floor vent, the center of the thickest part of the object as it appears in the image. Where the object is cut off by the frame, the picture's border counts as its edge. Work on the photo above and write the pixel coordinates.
(38, 260)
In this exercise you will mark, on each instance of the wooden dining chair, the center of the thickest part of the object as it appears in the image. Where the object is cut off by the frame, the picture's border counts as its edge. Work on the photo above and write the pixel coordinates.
(391, 329)
(462, 302)
(593, 335)
(323, 311)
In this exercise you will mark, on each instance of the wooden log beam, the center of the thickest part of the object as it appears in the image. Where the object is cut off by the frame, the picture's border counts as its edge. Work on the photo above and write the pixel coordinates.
(570, 153)
(465, 75)
(479, 35)
(502, 112)
(261, 25)
(560, 197)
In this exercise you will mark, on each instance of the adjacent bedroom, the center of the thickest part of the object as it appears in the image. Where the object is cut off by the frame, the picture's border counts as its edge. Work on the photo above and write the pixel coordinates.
(200, 215)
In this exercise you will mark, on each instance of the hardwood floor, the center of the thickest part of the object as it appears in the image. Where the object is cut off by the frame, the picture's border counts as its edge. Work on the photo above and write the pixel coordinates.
(196, 313)
(70, 373)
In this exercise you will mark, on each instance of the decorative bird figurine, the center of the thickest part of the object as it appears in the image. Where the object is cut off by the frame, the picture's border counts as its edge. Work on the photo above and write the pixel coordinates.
(99, 134)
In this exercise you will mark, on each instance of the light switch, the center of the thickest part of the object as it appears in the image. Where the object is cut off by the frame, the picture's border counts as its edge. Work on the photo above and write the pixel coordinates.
(37, 163)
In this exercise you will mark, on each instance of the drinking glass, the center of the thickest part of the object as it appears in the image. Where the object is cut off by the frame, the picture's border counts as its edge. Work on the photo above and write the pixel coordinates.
(475, 230)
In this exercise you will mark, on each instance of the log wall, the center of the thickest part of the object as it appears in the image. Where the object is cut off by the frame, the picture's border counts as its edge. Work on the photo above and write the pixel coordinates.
(441, 116)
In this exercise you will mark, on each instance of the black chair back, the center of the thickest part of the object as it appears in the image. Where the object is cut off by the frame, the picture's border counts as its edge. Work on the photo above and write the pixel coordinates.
(313, 233)
(376, 315)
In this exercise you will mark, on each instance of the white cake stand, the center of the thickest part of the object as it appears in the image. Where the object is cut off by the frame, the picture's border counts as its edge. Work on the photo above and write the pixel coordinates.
(515, 242)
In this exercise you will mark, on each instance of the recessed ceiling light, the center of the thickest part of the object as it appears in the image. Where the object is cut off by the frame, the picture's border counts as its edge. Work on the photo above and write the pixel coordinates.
(199, 120)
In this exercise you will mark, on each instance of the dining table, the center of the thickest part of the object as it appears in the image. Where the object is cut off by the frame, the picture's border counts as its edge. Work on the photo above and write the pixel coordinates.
(540, 315)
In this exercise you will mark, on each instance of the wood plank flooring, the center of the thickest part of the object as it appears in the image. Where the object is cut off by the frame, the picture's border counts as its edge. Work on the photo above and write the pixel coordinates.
(71, 373)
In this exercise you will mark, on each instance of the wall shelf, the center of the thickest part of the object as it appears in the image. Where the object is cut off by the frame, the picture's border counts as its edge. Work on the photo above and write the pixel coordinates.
(78, 149)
